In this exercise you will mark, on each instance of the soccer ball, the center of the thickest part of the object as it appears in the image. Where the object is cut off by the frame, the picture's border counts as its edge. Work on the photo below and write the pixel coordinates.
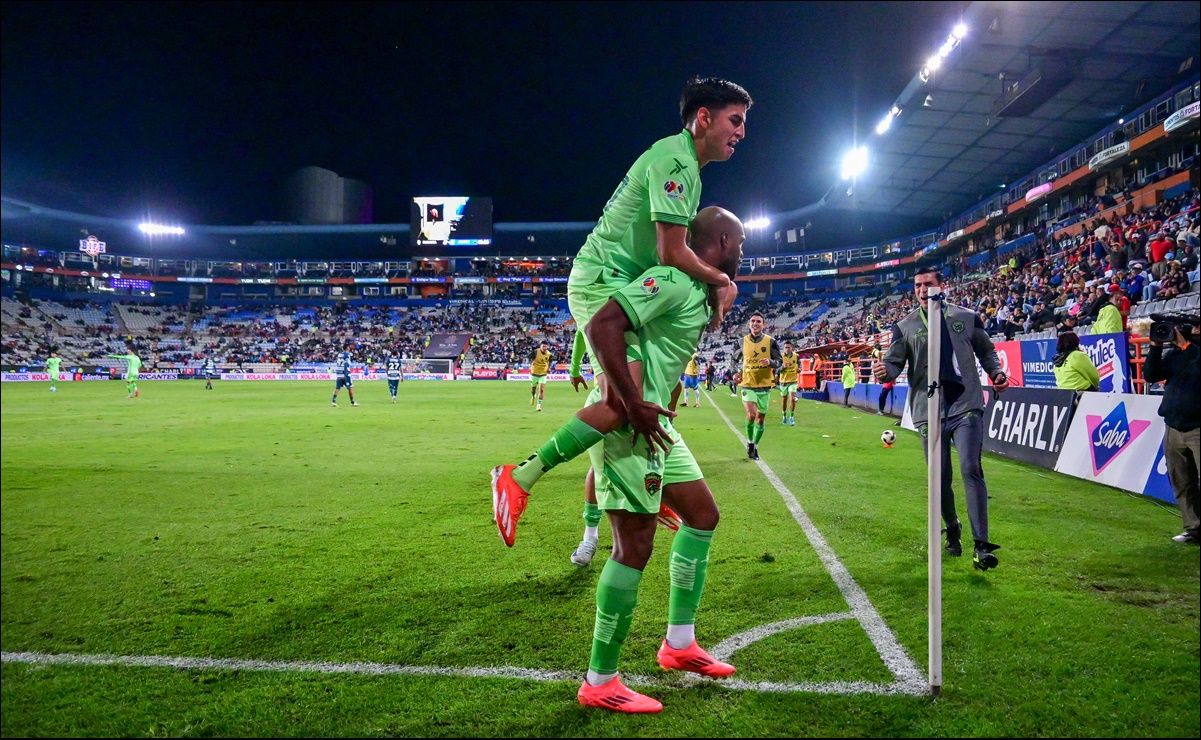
(888, 436)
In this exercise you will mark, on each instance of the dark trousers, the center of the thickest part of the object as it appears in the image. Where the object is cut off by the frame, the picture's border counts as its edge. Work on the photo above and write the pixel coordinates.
(1182, 453)
(846, 397)
(967, 432)
(884, 393)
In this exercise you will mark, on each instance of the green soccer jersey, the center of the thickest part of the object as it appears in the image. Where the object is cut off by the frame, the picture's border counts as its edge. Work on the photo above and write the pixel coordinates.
(668, 310)
(52, 366)
(663, 185)
(135, 363)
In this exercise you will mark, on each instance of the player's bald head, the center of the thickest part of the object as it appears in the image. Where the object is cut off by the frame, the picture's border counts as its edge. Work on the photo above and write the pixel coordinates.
(710, 223)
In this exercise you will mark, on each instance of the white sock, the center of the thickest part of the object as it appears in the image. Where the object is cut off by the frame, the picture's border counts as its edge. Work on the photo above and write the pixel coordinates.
(680, 636)
(596, 679)
(591, 534)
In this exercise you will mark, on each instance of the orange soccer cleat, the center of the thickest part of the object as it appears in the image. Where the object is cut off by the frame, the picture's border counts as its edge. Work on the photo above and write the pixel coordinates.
(508, 502)
(668, 519)
(615, 696)
(693, 658)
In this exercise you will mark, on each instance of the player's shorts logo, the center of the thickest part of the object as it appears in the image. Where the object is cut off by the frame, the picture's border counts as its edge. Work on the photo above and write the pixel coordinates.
(649, 286)
(652, 482)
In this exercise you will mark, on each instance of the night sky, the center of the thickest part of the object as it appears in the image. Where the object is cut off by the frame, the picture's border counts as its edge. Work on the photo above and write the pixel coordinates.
(199, 112)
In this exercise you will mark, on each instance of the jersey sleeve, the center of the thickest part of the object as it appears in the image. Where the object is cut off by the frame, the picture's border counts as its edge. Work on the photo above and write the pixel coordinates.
(673, 189)
(655, 293)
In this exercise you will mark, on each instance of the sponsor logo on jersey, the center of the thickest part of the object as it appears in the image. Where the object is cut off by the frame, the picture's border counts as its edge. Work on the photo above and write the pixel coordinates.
(674, 189)
(649, 286)
(680, 167)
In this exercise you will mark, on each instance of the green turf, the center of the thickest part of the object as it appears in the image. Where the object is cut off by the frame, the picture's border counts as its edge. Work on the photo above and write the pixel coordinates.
(254, 521)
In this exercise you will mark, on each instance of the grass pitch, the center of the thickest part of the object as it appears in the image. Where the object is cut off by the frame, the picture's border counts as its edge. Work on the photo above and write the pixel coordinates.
(256, 522)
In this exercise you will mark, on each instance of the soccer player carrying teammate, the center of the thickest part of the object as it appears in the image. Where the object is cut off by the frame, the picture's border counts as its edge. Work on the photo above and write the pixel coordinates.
(210, 371)
(964, 341)
(394, 370)
(342, 378)
(133, 365)
(692, 381)
(668, 311)
(53, 363)
(756, 358)
(788, 380)
(540, 360)
(644, 224)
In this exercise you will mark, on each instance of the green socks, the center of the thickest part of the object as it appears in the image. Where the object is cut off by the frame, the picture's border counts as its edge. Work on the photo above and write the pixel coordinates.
(616, 597)
(592, 514)
(689, 564)
(572, 439)
(756, 432)
(749, 428)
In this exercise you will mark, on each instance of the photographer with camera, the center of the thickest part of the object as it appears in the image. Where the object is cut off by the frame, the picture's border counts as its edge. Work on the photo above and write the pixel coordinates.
(1180, 368)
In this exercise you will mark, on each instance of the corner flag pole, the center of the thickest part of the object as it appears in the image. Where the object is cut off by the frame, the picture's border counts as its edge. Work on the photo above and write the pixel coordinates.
(934, 486)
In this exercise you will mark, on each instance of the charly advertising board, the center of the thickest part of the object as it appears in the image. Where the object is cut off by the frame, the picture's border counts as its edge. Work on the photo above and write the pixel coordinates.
(1114, 439)
(1028, 424)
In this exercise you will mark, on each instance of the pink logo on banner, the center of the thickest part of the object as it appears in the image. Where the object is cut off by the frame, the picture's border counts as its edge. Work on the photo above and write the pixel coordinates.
(1109, 436)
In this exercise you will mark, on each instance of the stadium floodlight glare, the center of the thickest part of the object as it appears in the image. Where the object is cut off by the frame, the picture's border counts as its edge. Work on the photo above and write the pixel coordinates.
(947, 47)
(755, 224)
(933, 63)
(854, 163)
(158, 229)
(883, 125)
(959, 31)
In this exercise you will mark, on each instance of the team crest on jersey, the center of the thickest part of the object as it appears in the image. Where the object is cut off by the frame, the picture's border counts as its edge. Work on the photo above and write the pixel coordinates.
(652, 482)
(649, 286)
(957, 327)
(674, 189)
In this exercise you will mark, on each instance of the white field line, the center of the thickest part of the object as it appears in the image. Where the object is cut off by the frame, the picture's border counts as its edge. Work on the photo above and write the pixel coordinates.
(909, 679)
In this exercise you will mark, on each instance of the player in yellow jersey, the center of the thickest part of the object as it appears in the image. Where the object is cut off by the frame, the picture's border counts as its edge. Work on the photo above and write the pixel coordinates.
(692, 381)
(754, 362)
(539, 366)
(788, 380)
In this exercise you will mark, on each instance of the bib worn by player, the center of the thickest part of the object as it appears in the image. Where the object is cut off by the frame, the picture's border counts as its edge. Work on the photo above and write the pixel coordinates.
(753, 374)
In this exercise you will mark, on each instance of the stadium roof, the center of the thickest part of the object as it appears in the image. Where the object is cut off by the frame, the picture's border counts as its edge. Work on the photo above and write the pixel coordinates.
(1078, 68)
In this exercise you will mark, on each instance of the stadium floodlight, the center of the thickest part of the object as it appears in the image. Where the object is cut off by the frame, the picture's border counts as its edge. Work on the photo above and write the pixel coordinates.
(933, 63)
(755, 224)
(883, 125)
(854, 163)
(959, 31)
(947, 47)
(158, 229)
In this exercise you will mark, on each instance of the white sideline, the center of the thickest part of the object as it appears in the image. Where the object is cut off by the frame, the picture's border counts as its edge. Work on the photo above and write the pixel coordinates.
(909, 679)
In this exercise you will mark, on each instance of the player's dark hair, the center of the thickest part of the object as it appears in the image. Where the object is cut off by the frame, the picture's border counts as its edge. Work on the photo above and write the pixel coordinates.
(756, 313)
(713, 93)
(929, 270)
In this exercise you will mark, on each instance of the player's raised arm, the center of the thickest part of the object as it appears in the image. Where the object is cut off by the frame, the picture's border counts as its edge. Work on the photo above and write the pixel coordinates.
(672, 242)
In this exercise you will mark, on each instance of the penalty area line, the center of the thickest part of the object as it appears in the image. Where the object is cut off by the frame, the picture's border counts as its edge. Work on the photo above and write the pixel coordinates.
(909, 678)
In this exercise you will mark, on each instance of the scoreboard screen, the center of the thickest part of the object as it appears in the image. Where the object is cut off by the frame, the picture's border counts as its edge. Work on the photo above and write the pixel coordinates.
(451, 221)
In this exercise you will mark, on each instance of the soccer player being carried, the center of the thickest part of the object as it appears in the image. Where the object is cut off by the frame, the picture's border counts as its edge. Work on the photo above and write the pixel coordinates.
(210, 372)
(540, 360)
(788, 380)
(342, 377)
(692, 381)
(133, 366)
(53, 363)
(667, 311)
(394, 370)
(754, 362)
(644, 225)
(964, 341)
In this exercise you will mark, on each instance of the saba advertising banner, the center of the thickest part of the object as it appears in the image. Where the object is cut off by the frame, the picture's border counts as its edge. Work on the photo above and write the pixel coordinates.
(1028, 424)
(1113, 440)
(1107, 351)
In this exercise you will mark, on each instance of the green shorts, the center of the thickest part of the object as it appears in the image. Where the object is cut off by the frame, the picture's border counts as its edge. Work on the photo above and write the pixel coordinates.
(587, 293)
(633, 477)
(759, 397)
(131, 377)
(537, 380)
(786, 388)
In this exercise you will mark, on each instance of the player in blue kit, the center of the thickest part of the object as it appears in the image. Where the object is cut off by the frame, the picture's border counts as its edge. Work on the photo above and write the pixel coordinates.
(343, 379)
(395, 374)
